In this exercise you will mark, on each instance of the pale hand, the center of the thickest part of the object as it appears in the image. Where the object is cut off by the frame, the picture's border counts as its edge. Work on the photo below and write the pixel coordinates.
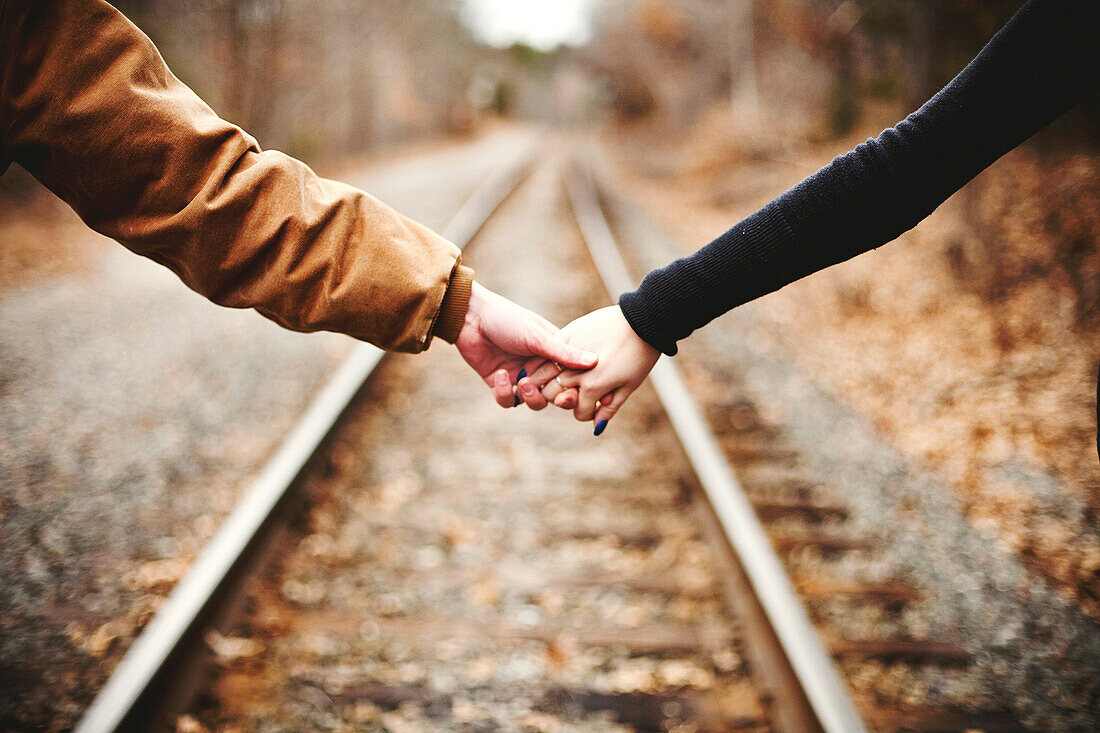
(624, 362)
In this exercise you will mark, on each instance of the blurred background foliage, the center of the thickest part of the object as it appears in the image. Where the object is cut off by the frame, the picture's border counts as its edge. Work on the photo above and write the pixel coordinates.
(709, 84)
(320, 78)
(725, 80)
(337, 77)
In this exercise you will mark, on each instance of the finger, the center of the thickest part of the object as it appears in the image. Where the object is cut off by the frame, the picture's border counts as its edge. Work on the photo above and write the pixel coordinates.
(551, 390)
(567, 400)
(609, 406)
(514, 372)
(570, 357)
(586, 405)
(531, 366)
(544, 374)
(516, 401)
(529, 394)
(502, 388)
(569, 378)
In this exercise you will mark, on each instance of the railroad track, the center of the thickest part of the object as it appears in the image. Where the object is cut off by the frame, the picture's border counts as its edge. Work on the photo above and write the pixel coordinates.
(806, 520)
(625, 584)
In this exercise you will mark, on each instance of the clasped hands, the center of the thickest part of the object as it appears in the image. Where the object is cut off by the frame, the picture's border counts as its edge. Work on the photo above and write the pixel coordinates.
(591, 366)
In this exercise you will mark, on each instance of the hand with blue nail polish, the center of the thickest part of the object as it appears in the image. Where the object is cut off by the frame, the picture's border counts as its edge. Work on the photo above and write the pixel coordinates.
(499, 337)
(598, 393)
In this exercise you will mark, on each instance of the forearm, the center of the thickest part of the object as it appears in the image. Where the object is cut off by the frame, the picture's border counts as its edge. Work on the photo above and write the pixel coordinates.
(1041, 64)
(88, 106)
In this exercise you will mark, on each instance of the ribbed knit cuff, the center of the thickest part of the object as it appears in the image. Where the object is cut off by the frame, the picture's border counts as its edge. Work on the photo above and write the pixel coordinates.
(633, 306)
(452, 311)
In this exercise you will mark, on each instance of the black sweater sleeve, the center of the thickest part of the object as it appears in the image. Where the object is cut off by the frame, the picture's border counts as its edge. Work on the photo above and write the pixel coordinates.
(1042, 63)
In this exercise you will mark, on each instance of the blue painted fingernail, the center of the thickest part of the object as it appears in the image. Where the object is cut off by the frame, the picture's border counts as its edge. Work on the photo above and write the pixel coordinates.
(600, 427)
(518, 401)
(521, 375)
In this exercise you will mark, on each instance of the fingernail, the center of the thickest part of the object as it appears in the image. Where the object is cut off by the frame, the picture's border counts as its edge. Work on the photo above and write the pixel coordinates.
(521, 375)
(517, 402)
(600, 427)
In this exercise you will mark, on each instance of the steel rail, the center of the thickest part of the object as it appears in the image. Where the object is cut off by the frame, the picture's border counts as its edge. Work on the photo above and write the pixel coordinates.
(807, 656)
(194, 599)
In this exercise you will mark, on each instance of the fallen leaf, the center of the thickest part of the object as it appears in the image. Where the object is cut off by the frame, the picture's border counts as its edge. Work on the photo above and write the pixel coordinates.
(228, 649)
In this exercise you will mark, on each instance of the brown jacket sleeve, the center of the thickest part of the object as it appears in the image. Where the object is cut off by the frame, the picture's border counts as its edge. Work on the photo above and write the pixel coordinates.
(88, 106)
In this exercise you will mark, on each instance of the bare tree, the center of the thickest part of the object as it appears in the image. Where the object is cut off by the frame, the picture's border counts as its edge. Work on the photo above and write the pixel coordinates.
(744, 95)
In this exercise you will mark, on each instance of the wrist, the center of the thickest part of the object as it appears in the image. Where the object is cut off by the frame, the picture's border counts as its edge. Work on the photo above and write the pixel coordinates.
(471, 322)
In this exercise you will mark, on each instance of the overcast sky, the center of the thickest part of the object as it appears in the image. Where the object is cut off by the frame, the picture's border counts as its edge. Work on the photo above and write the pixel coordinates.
(540, 23)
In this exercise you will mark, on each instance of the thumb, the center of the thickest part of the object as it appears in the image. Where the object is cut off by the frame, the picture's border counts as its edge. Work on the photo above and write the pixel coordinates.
(569, 357)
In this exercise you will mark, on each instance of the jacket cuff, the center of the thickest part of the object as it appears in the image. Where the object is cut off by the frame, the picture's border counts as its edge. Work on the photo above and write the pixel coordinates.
(452, 311)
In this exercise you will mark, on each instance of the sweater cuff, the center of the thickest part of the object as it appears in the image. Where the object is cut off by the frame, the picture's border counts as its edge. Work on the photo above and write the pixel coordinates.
(633, 308)
(452, 311)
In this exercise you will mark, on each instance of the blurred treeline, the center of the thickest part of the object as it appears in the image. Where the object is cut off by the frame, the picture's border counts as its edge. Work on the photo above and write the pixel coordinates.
(335, 77)
(321, 78)
(830, 60)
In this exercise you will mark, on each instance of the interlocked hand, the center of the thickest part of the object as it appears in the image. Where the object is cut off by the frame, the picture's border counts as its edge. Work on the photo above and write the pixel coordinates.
(499, 337)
